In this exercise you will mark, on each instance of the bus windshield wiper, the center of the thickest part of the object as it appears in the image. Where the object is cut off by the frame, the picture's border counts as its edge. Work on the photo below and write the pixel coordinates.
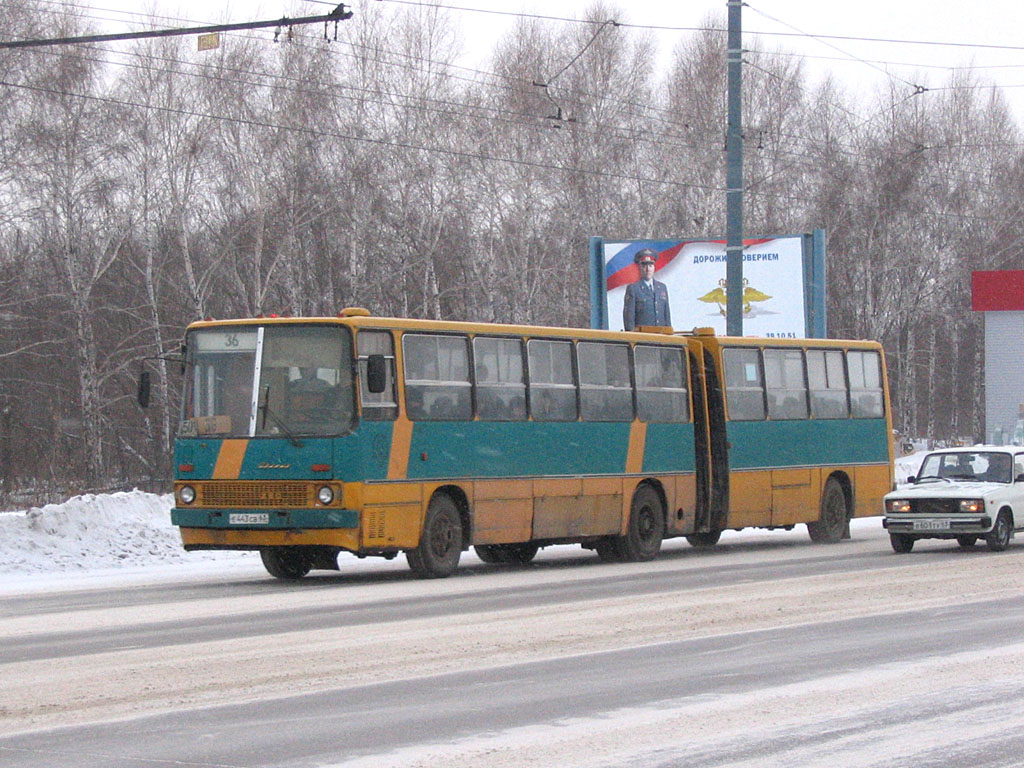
(264, 408)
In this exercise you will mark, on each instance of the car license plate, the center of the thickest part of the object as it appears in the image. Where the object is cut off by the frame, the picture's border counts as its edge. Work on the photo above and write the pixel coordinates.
(249, 518)
(931, 525)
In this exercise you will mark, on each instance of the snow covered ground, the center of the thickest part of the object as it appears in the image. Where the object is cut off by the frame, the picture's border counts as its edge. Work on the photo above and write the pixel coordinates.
(92, 540)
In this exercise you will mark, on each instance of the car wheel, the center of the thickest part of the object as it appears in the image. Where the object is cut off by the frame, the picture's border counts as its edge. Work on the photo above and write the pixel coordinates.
(999, 538)
(901, 543)
(966, 542)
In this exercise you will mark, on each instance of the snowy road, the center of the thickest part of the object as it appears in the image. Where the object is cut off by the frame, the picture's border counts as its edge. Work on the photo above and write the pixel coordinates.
(766, 651)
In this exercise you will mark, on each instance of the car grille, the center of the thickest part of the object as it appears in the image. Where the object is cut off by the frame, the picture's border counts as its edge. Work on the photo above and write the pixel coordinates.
(934, 506)
(258, 494)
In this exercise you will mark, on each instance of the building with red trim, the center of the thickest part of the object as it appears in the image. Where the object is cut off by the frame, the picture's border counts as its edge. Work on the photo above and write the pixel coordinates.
(1000, 295)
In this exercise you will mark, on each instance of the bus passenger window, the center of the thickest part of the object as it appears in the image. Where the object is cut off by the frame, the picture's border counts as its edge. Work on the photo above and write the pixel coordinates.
(552, 387)
(743, 384)
(661, 393)
(605, 390)
(437, 385)
(826, 378)
(866, 397)
(498, 377)
(784, 383)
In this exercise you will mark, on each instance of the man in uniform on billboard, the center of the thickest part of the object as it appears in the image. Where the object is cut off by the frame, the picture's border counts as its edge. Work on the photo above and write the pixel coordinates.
(646, 300)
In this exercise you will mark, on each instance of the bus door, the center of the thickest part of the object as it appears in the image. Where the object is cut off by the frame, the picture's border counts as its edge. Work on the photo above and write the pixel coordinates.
(711, 457)
(718, 444)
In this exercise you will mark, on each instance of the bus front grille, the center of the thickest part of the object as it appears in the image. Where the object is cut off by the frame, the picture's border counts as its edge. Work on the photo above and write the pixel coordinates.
(263, 493)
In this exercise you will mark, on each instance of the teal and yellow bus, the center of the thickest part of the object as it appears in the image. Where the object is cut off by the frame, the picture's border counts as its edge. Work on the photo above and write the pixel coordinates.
(303, 438)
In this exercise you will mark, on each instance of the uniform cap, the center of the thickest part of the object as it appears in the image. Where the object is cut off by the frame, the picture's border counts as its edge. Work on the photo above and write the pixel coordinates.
(646, 254)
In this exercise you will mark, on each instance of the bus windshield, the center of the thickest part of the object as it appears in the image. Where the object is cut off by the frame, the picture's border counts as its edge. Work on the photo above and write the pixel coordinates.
(279, 380)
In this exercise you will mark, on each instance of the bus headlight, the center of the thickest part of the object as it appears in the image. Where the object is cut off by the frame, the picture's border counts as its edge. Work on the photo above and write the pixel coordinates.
(325, 495)
(897, 505)
(972, 505)
(187, 494)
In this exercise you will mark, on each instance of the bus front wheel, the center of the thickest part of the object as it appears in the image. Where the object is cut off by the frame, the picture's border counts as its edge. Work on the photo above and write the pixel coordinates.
(440, 547)
(829, 527)
(285, 563)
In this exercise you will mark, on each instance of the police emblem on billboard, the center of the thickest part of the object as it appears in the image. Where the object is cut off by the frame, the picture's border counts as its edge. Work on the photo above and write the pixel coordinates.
(720, 296)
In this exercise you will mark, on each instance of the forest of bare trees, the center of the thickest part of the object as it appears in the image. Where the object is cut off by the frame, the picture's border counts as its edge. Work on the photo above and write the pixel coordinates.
(148, 185)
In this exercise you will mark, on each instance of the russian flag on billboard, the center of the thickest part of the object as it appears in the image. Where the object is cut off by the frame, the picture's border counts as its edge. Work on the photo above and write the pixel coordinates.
(621, 269)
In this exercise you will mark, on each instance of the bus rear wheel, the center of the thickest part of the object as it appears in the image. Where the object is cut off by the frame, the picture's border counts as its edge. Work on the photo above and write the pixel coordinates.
(286, 563)
(646, 529)
(440, 547)
(831, 523)
(507, 554)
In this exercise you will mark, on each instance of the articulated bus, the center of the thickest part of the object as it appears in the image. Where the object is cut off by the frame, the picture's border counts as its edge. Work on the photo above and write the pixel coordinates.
(306, 437)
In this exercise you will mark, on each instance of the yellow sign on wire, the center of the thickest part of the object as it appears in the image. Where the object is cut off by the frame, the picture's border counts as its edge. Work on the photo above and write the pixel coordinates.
(209, 41)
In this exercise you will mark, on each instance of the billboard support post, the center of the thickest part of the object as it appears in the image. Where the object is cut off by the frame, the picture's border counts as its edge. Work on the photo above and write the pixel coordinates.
(734, 175)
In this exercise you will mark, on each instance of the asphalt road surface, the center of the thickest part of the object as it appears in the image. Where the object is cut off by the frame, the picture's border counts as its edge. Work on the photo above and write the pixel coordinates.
(765, 651)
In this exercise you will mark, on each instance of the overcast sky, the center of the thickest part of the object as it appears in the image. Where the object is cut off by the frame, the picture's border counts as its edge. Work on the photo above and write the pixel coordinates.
(978, 28)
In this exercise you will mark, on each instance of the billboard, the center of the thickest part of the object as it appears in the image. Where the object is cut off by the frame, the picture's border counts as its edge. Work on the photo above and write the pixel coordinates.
(783, 283)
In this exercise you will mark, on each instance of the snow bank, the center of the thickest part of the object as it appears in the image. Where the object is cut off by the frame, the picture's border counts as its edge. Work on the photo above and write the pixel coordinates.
(90, 532)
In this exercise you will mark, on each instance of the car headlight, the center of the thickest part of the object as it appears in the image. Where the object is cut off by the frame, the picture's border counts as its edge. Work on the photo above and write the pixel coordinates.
(897, 505)
(972, 505)
(187, 494)
(325, 495)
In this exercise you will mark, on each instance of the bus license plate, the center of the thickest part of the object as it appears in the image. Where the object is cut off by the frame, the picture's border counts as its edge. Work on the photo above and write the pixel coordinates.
(931, 525)
(249, 518)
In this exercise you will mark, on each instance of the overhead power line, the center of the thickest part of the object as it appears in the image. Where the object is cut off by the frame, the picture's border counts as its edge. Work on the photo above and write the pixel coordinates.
(338, 14)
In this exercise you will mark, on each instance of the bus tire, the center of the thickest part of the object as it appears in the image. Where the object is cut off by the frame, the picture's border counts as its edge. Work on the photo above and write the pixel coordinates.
(489, 553)
(642, 541)
(831, 523)
(704, 539)
(608, 550)
(519, 553)
(285, 563)
(440, 547)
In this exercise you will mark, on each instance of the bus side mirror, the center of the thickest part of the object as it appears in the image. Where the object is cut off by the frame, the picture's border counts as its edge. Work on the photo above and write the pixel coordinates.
(144, 387)
(376, 374)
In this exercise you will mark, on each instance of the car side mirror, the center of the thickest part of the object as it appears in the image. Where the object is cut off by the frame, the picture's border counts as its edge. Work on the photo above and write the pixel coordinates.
(144, 389)
(1019, 479)
(911, 480)
(376, 374)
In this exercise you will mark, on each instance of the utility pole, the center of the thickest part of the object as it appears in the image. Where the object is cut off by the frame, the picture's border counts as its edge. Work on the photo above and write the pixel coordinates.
(734, 175)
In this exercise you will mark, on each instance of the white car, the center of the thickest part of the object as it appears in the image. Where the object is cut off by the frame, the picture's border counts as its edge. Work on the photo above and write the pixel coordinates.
(960, 493)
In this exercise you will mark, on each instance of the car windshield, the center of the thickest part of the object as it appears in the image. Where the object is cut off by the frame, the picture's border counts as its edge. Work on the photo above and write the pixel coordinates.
(981, 466)
(278, 380)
